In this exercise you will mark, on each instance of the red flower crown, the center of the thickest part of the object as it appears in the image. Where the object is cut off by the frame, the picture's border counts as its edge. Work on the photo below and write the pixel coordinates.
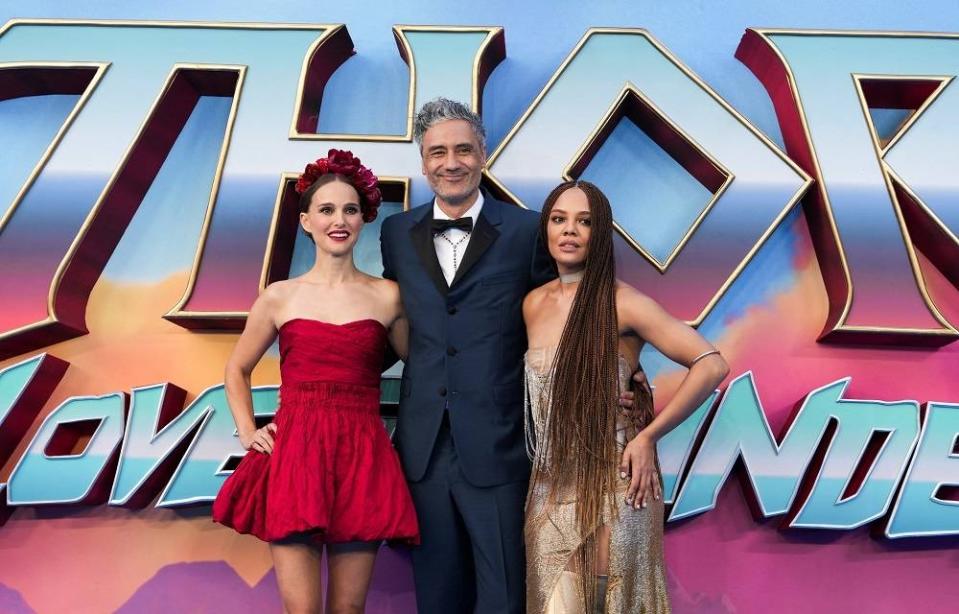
(344, 163)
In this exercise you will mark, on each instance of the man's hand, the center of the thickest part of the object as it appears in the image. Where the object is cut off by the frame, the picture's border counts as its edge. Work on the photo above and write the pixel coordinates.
(627, 398)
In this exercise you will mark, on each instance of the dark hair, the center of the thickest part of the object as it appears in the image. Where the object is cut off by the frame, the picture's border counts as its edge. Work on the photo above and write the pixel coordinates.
(580, 451)
(441, 110)
(307, 196)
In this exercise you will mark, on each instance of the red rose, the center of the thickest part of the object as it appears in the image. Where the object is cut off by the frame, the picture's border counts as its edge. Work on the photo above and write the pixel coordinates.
(364, 179)
(342, 162)
(345, 163)
(369, 211)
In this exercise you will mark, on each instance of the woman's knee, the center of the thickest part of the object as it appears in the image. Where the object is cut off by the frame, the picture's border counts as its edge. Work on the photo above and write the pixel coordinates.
(301, 606)
(346, 607)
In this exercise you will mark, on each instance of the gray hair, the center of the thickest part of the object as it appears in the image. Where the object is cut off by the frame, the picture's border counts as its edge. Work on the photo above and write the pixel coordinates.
(443, 109)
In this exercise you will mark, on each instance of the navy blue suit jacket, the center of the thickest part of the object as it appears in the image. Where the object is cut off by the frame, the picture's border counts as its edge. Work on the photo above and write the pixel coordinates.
(467, 339)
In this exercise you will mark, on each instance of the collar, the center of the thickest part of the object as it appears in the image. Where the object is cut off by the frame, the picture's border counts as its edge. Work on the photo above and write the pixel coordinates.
(473, 211)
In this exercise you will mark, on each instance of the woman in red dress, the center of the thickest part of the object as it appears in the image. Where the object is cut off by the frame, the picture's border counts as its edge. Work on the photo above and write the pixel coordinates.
(324, 472)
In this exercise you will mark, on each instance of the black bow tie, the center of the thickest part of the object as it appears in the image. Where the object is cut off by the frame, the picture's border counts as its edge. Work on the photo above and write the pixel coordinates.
(464, 223)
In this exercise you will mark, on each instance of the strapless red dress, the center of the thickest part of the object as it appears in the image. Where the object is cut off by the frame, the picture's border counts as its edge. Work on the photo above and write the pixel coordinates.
(333, 472)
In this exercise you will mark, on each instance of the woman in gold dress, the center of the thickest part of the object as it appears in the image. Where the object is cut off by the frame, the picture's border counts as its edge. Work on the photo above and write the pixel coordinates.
(594, 514)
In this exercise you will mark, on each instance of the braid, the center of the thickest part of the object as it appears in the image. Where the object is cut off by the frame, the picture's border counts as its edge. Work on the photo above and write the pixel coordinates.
(585, 388)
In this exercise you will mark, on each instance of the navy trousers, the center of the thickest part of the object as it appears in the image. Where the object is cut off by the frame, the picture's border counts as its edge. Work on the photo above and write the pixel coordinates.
(472, 555)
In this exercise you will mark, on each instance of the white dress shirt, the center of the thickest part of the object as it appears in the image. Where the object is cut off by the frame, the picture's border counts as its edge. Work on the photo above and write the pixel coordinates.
(445, 241)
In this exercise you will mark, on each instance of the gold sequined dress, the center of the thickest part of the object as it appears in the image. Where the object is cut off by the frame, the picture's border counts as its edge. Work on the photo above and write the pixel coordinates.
(636, 573)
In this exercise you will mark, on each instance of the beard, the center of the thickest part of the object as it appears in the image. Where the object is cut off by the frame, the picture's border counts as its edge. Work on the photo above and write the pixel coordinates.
(459, 194)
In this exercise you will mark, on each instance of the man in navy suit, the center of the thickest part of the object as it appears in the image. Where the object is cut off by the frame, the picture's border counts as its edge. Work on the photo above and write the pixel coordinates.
(464, 261)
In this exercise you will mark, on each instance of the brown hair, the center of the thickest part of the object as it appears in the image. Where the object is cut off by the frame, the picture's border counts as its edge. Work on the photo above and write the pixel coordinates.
(579, 451)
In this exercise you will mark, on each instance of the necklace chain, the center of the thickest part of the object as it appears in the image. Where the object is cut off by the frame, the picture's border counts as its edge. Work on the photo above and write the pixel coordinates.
(443, 236)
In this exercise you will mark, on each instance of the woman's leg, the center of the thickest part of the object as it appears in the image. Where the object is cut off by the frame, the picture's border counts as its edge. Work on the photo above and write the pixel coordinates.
(601, 543)
(297, 564)
(566, 596)
(602, 550)
(602, 568)
(563, 594)
(351, 568)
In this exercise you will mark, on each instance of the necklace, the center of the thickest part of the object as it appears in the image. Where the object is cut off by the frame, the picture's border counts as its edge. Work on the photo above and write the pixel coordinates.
(465, 236)
(571, 278)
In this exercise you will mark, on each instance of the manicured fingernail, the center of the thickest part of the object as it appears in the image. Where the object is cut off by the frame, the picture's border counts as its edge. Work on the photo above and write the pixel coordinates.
(622, 474)
(644, 505)
(637, 505)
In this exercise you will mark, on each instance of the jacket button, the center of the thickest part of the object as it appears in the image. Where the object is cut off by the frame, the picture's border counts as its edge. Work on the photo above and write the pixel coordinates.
(451, 310)
(442, 391)
(451, 351)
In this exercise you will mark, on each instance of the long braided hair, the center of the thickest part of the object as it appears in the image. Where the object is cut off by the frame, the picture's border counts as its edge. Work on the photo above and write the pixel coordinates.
(579, 454)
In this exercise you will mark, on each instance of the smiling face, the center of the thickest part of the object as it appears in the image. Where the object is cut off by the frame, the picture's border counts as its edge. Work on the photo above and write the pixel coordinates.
(453, 161)
(333, 218)
(568, 230)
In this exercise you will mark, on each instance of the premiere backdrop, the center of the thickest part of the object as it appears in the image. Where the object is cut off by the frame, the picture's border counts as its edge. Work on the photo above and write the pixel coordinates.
(782, 176)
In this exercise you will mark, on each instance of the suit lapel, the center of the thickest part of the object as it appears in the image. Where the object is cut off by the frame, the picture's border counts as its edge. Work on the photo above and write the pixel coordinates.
(422, 239)
(484, 233)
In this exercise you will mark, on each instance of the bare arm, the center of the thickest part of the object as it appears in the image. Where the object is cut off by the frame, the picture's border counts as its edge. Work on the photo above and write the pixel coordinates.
(258, 334)
(388, 271)
(680, 343)
(400, 335)
(397, 326)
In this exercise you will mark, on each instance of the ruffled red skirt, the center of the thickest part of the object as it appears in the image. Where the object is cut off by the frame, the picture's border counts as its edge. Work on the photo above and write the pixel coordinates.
(333, 473)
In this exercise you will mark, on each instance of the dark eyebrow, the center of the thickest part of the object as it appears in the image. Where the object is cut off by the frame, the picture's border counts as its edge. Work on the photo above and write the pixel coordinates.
(563, 211)
(329, 204)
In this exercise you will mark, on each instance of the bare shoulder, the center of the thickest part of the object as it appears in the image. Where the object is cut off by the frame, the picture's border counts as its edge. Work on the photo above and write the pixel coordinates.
(534, 298)
(640, 313)
(536, 295)
(386, 288)
(272, 301)
(632, 300)
(384, 293)
(278, 291)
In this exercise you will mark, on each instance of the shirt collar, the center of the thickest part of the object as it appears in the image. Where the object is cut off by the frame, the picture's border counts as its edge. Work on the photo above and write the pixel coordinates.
(473, 212)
